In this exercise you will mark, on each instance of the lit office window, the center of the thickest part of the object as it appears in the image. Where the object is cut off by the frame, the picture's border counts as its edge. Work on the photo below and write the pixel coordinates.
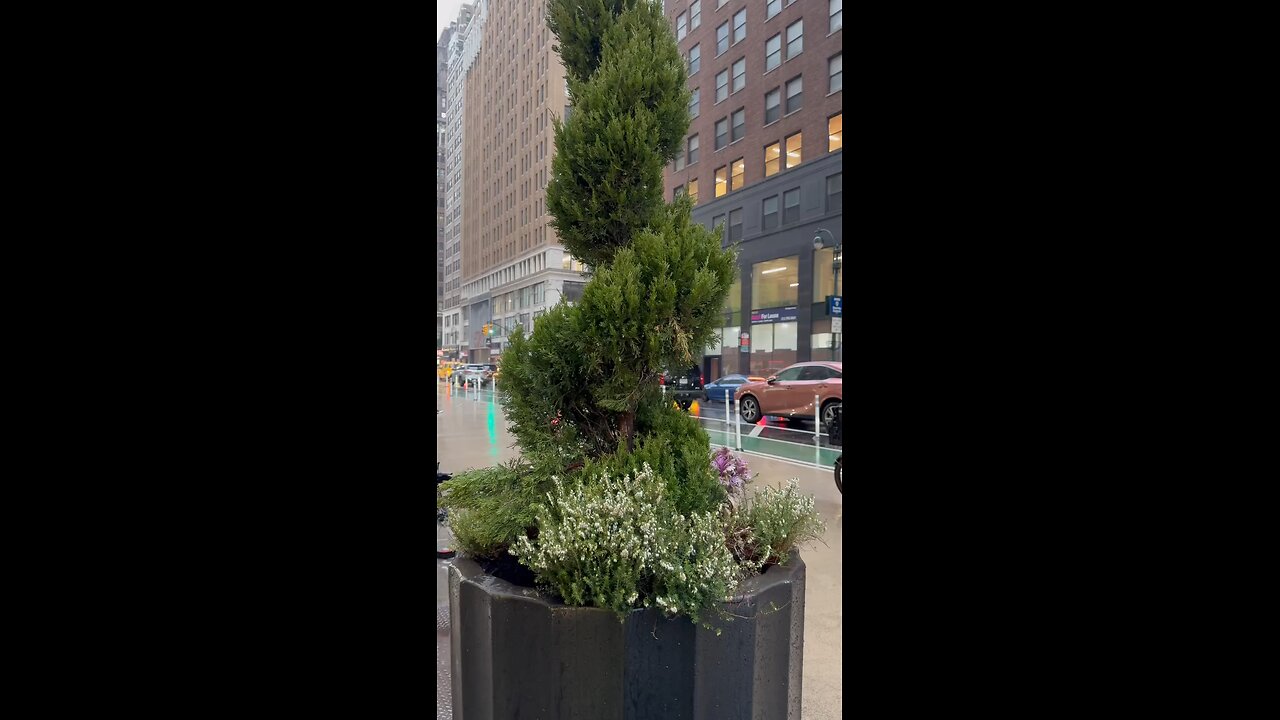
(794, 154)
(772, 159)
(722, 185)
(835, 132)
(739, 173)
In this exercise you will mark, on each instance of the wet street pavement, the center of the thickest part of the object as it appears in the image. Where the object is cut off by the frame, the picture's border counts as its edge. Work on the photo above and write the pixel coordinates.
(471, 432)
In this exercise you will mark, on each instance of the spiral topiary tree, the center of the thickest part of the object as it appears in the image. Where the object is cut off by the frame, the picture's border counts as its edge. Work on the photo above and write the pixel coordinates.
(582, 391)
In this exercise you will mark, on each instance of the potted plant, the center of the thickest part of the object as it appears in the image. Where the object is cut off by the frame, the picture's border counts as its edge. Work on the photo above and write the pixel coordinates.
(584, 562)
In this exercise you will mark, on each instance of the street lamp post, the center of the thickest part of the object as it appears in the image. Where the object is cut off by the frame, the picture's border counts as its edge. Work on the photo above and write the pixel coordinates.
(823, 238)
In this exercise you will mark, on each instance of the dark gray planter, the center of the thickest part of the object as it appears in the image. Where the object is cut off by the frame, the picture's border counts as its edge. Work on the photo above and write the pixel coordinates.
(519, 654)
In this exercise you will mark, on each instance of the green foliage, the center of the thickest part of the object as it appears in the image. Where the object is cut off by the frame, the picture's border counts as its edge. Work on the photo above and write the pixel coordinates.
(619, 543)
(580, 26)
(677, 448)
(765, 529)
(490, 507)
(630, 100)
(655, 305)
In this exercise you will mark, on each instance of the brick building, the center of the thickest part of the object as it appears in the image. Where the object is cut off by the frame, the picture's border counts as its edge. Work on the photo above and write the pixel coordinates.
(763, 157)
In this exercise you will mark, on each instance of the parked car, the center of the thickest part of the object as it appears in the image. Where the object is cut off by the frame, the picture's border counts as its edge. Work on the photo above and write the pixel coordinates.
(480, 372)
(790, 393)
(725, 386)
(685, 387)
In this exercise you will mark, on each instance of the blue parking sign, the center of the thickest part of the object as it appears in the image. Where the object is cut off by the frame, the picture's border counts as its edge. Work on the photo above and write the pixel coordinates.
(833, 305)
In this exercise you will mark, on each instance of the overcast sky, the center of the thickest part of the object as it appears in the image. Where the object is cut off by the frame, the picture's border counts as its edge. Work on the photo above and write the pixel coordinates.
(446, 12)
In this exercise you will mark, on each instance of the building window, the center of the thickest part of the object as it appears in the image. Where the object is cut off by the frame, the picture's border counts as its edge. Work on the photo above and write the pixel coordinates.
(680, 160)
(722, 177)
(695, 15)
(720, 3)
(835, 9)
(835, 189)
(835, 132)
(717, 224)
(824, 282)
(722, 85)
(795, 39)
(693, 149)
(735, 225)
(772, 105)
(722, 38)
(722, 132)
(739, 74)
(772, 52)
(695, 59)
(678, 192)
(682, 26)
(693, 190)
(695, 103)
(769, 220)
(835, 73)
(739, 122)
(739, 172)
(739, 26)
(774, 284)
(772, 159)
(794, 153)
(773, 7)
(795, 94)
(791, 206)
(732, 315)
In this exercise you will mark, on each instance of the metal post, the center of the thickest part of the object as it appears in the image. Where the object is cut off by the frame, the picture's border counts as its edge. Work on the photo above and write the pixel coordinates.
(817, 420)
(727, 414)
(737, 427)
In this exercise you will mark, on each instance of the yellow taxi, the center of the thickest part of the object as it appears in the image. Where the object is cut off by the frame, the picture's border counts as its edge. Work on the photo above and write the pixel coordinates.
(444, 370)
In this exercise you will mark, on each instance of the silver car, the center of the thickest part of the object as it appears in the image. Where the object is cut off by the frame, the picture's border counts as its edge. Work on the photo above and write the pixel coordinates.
(480, 373)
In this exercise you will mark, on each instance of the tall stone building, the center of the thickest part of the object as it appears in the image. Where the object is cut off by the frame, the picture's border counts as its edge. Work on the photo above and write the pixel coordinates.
(463, 49)
(764, 158)
(442, 67)
(512, 268)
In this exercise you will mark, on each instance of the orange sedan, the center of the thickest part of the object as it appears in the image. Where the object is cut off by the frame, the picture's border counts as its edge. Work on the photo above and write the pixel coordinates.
(790, 393)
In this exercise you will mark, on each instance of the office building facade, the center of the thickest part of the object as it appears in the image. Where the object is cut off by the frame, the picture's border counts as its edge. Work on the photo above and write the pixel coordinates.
(512, 269)
(763, 158)
(464, 45)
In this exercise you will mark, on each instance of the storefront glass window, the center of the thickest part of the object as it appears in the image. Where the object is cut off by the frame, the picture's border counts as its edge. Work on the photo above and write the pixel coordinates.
(730, 362)
(774, 298)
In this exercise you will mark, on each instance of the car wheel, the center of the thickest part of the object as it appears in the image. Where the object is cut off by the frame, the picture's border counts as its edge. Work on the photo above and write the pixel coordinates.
(829, 414)
(750, 409)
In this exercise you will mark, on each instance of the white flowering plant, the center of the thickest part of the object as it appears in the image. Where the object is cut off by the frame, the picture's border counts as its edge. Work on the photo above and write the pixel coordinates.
(619, 543)
(763, 530)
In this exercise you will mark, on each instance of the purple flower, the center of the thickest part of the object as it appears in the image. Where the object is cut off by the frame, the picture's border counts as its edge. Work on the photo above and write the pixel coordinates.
(732, 471)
